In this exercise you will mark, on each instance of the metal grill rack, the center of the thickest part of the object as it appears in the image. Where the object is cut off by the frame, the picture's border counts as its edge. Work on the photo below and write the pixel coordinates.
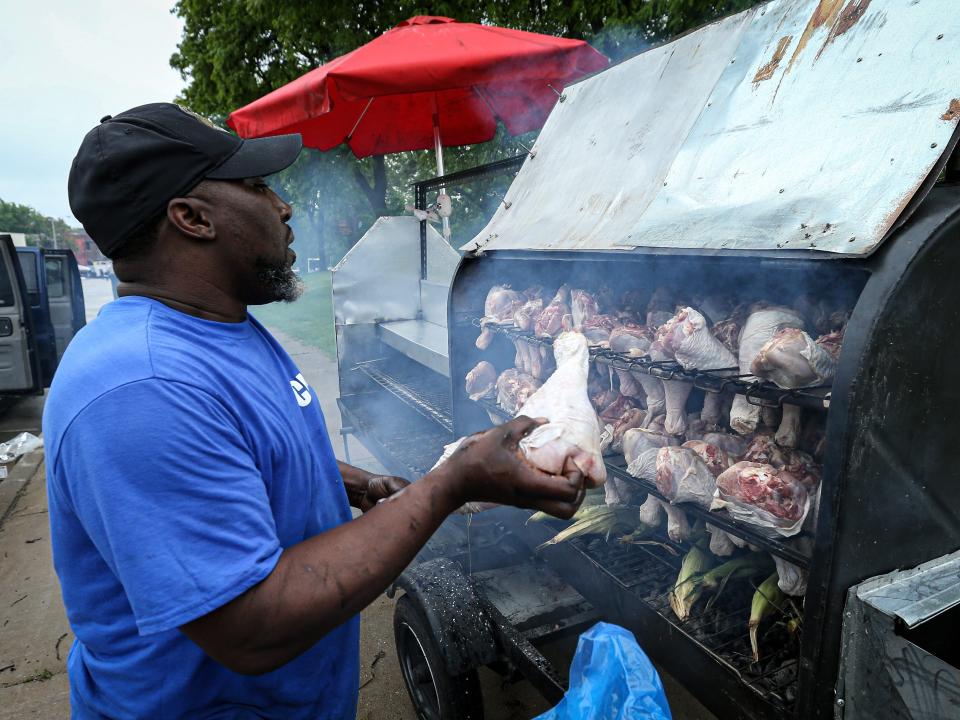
(406, 443)
(719, 518)
(647, 573)
(757, 392)
(412, 386)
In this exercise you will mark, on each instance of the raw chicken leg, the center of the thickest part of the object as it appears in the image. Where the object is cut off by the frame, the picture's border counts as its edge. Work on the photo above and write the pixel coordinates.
(759, 328)
(499, 308)
(634, 340)
(573, 429)
(481, 382)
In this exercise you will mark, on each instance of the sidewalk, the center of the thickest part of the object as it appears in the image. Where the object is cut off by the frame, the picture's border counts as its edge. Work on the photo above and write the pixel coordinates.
(35, 636)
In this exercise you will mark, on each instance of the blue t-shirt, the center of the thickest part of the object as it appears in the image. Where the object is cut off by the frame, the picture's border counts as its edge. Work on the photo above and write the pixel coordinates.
(183, 456)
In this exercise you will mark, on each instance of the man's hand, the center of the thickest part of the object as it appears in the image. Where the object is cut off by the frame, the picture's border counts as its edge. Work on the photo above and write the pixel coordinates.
(380, 487)
(364, 489)
(489, 467)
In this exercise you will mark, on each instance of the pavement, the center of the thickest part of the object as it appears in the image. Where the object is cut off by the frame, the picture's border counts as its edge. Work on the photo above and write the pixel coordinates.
(35, 635)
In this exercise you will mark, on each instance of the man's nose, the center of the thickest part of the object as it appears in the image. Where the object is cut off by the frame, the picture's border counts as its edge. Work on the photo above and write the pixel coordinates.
(286, 212)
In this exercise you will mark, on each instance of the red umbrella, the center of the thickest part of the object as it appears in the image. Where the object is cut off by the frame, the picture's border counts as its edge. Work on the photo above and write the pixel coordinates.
(429, 82)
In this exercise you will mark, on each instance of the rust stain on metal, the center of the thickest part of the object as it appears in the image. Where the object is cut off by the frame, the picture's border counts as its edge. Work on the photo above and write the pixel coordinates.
(848, 17)
(953, 112)
(767, 70)
(826, 13)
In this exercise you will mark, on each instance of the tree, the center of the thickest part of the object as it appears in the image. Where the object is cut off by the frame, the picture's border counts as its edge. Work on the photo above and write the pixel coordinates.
(234, 51)
(24, 219)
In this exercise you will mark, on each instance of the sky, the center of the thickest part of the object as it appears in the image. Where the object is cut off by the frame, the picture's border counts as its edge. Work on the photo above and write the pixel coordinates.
(64, 64)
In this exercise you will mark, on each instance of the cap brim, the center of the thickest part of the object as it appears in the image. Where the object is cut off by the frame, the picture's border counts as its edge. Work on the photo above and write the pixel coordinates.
(259, 157)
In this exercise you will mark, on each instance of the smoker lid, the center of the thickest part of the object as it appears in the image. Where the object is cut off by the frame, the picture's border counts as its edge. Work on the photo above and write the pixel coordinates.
(795, 125)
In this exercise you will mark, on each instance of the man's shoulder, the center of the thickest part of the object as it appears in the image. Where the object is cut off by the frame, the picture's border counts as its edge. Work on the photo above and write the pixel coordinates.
(129, 342)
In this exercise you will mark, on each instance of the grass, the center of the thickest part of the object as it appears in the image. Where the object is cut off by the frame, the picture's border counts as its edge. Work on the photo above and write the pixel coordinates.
(309, 319)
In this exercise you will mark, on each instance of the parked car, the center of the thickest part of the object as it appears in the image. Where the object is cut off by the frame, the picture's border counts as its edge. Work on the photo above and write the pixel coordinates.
(86, 271)
(102, 268)
(41, 309)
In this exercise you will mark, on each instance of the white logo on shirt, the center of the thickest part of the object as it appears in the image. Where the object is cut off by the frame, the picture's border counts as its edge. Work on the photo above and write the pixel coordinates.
(301, 390)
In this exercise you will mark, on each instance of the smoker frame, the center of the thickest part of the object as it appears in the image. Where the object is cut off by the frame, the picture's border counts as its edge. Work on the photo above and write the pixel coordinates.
(857, 468)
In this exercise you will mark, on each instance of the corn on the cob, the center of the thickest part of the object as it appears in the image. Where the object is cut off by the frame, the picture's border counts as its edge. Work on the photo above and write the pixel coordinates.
(597, 520)
(767, 599)
(689, 586)
(757, 563)
(592, 498)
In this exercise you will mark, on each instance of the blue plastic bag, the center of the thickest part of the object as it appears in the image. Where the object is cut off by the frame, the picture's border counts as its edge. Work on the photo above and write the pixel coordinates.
(611, 678)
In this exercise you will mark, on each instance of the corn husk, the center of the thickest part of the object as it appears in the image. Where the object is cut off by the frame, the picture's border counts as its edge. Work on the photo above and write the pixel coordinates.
(591, 498)
(741, 567)
(767, 599)
(689, 586)
(604, 520)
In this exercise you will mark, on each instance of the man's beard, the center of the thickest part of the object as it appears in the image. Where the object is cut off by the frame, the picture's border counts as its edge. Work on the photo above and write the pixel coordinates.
(279, 280)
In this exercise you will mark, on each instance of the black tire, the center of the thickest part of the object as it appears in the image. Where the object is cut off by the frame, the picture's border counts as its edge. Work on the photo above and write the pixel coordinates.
(435, 694)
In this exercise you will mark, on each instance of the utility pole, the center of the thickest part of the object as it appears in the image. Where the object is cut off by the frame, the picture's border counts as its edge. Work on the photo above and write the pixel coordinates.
(53, 229)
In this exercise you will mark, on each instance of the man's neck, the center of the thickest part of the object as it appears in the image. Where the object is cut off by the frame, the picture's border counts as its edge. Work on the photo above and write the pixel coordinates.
(201, 303)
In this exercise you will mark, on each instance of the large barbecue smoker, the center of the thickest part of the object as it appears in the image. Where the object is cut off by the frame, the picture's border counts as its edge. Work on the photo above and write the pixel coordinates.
(800, 155)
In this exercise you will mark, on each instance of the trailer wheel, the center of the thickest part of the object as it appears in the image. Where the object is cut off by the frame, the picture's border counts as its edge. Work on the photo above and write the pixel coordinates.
(436, 695)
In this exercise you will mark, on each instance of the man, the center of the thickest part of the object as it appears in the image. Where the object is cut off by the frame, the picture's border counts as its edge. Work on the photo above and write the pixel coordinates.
(201, 528)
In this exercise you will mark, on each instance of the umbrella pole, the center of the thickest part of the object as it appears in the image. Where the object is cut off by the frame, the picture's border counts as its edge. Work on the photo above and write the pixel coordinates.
(438, 149)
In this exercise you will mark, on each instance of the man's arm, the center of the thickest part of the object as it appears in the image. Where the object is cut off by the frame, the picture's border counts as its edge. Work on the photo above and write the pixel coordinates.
(320, 583)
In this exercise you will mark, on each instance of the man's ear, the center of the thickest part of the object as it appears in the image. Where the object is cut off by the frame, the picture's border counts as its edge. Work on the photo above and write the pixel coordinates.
(192, 217)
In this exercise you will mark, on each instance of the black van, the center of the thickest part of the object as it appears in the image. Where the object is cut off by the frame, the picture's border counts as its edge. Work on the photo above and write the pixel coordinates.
(41, 309)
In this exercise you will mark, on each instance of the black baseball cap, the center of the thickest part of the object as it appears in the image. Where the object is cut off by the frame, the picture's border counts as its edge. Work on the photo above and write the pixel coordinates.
(132, 164)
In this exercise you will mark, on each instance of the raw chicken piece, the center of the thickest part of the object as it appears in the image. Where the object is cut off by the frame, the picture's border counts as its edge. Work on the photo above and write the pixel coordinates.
(634, 340)
(687, 338)
(801, 465)
(791, 359)
(763, 449)
(760, 327)
(615, 410)
(788, 434)
(525, 318)
(714, 457)
(764, 496)
(675, 394)
(640, 448)
(481, 381)
(721, 543)
(792, 580)
(583, 306)
(651, 512)
(632, 419)
(499, 308)
(604, 398)
(734, 445)
(727, 331)
(683, 477)
(597, 329)
(832, 342)
(513, 389)
(678, 527)
(556, 317)
(573, 430)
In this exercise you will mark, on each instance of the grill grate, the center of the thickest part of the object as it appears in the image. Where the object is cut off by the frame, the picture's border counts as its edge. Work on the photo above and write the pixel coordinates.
(649, 572)
(411, 440)
(757, 392)
(413, 387)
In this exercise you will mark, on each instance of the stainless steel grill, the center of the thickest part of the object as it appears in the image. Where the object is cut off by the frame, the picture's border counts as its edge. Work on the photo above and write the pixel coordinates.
(409, 384)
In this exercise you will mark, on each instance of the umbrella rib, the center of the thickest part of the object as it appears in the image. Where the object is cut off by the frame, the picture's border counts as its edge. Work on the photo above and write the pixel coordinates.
(354, 128)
